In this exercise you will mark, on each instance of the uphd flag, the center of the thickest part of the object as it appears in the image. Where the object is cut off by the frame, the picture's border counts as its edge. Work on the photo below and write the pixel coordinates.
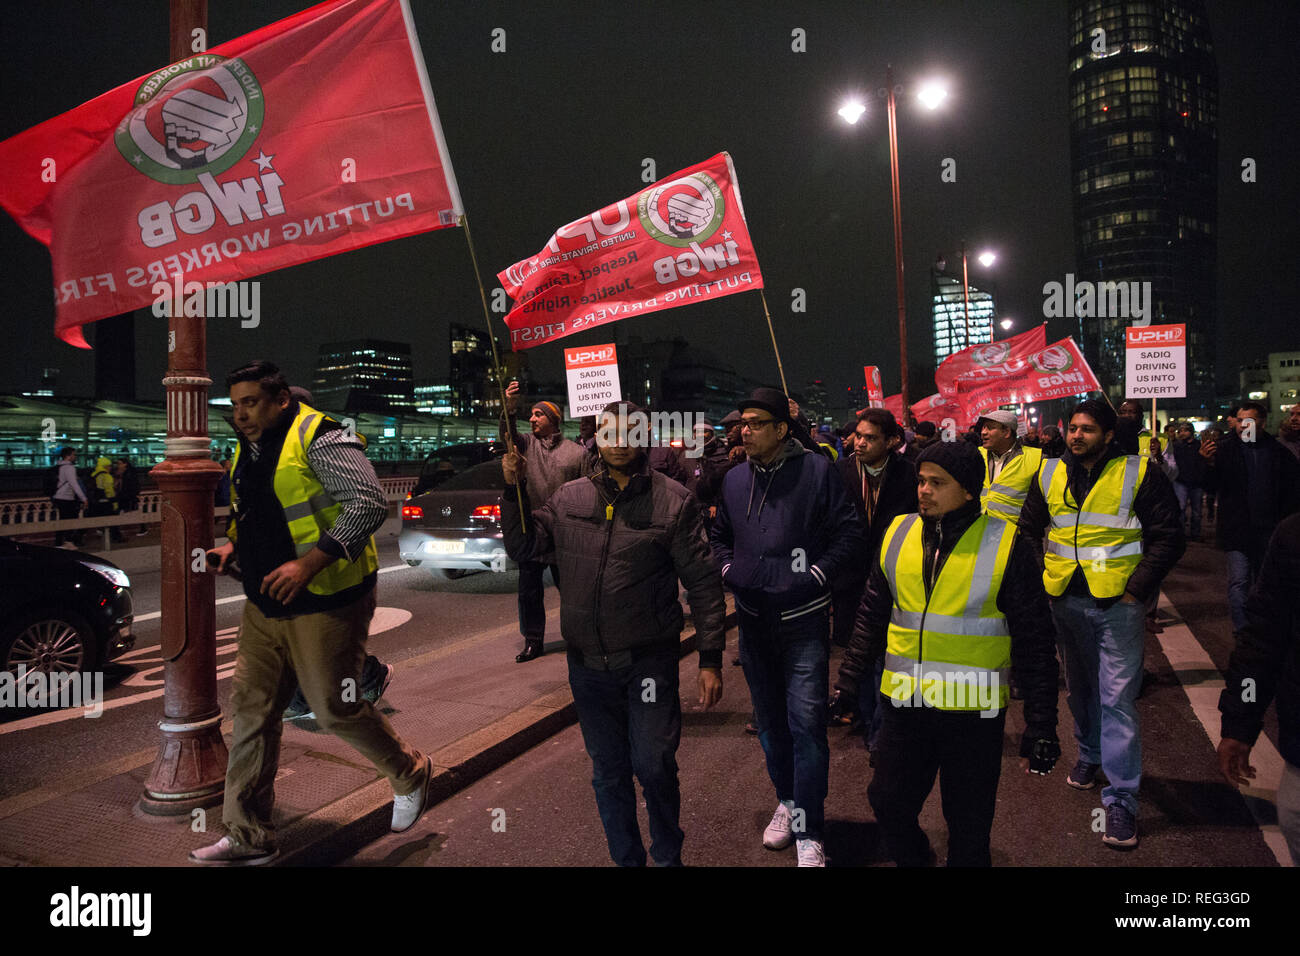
(989, 359)
(679, 241)
(310, 137)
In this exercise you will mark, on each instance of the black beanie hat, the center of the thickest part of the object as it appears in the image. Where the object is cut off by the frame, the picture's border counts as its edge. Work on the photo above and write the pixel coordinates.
(960, 459)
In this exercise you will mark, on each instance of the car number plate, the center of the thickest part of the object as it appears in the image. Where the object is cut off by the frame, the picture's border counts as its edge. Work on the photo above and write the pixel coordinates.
(447, 547)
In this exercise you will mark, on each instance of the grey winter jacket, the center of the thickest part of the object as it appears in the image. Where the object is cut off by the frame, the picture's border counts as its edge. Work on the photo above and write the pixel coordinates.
(620, 573)
(551, 462)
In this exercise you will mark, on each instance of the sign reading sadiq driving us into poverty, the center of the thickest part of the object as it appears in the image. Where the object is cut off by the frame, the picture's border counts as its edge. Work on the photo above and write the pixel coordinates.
(592, 372)
(1155, 361)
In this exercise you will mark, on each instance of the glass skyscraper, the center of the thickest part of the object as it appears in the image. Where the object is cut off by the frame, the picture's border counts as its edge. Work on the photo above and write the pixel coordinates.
(1143, 113)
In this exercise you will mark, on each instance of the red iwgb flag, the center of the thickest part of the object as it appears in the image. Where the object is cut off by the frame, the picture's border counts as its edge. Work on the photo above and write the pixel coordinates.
(988, 359)
(310, 137)
(933, 408)
(875, 392)
(1057, 371)
(680, 240)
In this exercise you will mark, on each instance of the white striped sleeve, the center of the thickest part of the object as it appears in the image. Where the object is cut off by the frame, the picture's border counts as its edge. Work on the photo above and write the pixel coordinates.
(347, 474)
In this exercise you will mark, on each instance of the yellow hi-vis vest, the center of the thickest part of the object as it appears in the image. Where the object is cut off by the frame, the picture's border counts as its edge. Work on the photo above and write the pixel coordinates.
(952, 650)
(1102, 535)
(1005, 497)
(308, 508)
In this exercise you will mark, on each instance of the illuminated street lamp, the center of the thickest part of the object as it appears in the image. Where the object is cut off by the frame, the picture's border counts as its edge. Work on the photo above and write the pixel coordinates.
(1006, 325)
(931, 94)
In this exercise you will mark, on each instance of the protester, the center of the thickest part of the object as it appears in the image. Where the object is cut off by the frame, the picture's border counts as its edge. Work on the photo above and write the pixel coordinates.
(1288, 433)
(923, 435)
(1010, 466)
(1210, 499)
(104, 502)
(68, 498)
(306, 504)
(1113, 534)
(1053, 443)
(624, 537)
(881, 483)
(711, 459)
(785, 529)
(127, 482)
(549, 461)
(1191, 476)
(1257, 484)
(952, 599)
(1265, 666)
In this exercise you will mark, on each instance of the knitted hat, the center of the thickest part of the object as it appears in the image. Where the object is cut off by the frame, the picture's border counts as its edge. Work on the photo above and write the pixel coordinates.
(550, 410)
(958, 458)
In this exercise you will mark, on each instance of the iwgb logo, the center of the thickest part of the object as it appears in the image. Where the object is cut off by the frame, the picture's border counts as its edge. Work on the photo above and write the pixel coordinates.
(995, 353)
(1052, 359)
(682, 211)
(199, 115)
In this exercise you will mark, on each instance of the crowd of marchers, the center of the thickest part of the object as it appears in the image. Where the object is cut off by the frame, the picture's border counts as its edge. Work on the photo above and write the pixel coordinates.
(957, 571)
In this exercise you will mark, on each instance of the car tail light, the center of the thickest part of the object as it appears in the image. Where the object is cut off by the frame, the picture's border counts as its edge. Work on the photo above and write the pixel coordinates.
(412, 511)
(490, 512)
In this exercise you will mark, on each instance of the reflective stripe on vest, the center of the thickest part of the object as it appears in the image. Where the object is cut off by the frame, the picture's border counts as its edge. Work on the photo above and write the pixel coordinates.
(1101, 534)
(309, 510)
(1005, 497)
(951, 649)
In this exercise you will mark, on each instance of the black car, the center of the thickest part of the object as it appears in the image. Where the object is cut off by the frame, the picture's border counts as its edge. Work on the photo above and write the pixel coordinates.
(442, 463)
(61, 611)
(456, 527)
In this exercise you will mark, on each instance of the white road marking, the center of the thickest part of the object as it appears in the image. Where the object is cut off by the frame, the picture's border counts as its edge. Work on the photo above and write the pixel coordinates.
(1187, 656)
(154, 615)
(149, 671)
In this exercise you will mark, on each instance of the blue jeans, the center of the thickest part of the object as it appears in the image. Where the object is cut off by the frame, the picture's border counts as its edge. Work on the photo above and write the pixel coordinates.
(631, 722)
(1102, 651)
(1241, 577)
(787, 666)
(1189, 497)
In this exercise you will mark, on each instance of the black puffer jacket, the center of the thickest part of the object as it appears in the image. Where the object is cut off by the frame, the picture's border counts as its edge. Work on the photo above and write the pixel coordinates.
(1021, 598)
(1249, 510)
(620, 575)
(1268, 650)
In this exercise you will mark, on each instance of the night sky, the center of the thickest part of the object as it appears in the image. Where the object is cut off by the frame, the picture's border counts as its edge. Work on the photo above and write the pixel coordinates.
(559, 124)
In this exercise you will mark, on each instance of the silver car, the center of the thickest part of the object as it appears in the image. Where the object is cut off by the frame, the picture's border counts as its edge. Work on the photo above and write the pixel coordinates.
(455, 528)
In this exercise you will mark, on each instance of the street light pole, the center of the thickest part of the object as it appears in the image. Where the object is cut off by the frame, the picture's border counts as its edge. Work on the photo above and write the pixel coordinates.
(190, 768)
(898, 242)
(965, 291)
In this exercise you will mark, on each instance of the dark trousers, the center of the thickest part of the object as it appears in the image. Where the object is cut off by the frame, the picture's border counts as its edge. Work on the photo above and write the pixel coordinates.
(532, 599)
(965, 750)
(787, 666)
(631, 721)
(68, 511)
(845, 600)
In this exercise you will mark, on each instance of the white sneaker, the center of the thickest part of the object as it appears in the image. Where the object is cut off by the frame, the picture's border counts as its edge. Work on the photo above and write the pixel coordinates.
(408, 807)
(810, 852)
(778, 834)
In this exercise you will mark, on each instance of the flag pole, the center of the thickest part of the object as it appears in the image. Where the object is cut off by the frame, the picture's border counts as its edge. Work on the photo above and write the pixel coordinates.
(496, 362)
(780, 370)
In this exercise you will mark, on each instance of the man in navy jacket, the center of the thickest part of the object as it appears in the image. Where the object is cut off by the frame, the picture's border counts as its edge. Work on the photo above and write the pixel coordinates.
(785, 529)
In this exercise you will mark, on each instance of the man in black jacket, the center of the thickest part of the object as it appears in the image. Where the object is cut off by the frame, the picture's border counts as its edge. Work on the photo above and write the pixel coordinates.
(1190, 478)
(622, 538)
(1115, 532)
(936, 725)
(881, 483)
(784, 530)
(1265, 665)
(1255, 482)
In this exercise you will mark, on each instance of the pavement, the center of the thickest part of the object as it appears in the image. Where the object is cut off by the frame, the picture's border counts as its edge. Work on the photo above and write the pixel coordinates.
(467, 704)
